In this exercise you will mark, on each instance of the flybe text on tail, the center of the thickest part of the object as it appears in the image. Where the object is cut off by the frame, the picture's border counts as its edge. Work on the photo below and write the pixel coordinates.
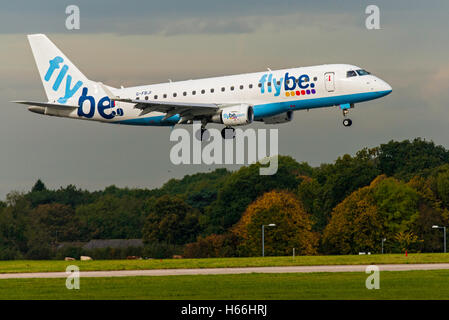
(104, 105)
(69, 92)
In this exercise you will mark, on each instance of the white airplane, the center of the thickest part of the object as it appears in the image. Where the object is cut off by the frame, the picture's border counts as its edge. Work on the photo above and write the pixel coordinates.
(270, 96)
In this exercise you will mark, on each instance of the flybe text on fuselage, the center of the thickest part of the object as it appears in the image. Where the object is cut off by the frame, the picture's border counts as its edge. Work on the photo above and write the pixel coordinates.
(291, 84)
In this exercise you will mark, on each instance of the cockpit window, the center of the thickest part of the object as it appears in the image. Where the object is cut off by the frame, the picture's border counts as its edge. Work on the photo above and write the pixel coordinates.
(362, 72)
(351, 73)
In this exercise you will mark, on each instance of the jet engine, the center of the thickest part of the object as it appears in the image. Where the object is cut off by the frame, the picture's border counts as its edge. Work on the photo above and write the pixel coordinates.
(237, 115)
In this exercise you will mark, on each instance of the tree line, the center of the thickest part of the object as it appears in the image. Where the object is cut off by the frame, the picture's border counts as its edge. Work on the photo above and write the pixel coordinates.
(395, 191)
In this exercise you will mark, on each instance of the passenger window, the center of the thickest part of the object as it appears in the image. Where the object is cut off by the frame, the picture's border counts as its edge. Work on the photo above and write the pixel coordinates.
(146, 97)
(155, 97)
(174, 94)
(184, 93)
(193, 92)
(350, 74)
(232, 88)
(137, 98)
(212, 90)
(250, 86)
(203, 91)
(164, 96)
(315, 78)
(223, 89)
(259, 85)
(241, 87)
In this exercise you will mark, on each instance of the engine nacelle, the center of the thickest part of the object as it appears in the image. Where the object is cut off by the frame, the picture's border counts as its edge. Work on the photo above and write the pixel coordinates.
(237, 115)
(279, 118)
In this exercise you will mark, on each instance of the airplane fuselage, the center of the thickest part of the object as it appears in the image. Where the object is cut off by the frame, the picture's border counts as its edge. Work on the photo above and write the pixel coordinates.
(320, 86)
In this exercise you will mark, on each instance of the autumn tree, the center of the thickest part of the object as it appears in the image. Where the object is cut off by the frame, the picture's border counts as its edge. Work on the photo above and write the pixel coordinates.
(355, 225)
(293, 226)
(405, 240)
(245, 185)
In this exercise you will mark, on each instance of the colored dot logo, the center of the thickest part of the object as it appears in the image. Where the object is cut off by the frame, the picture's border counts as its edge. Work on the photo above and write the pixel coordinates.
(305, 92)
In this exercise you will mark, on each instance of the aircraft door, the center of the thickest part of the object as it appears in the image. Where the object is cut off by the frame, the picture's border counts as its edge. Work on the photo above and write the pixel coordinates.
(329, 81)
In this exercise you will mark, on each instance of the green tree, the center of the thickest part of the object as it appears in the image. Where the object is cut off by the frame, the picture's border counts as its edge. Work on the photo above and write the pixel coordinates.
(381, 210)
(397, 203)
(110, 217)
(346, 175)
(442, 184)
(57, 220)
(38, 186)
(171, 220)
(406, 159)
(310, 193)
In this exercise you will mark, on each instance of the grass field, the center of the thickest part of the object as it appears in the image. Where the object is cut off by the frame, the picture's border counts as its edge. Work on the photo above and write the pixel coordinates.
(350, 285)
(95, 265)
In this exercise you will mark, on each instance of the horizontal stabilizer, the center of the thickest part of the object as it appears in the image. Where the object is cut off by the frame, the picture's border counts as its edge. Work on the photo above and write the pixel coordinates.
(47, 104)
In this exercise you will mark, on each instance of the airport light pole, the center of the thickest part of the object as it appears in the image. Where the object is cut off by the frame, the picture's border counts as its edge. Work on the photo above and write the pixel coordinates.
(263, 236)
(444, 232)
(383, 240)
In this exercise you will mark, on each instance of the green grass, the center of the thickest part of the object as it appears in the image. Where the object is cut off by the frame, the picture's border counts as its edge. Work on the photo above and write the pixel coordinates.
(350, 285)
(95, 265)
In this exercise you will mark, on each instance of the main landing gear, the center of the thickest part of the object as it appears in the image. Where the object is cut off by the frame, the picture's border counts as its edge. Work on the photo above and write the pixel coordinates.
(228, 133)
(204, 135)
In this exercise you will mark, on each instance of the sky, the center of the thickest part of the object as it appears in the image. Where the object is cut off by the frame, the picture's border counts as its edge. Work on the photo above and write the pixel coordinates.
(144, 42)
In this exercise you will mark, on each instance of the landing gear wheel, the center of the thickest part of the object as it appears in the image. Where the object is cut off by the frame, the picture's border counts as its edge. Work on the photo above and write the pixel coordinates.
(347, 122)
(202, 135)
(228, 133)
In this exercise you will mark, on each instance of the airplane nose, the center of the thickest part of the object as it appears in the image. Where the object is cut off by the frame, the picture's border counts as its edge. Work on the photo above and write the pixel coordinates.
(387, 88)
(383, 86)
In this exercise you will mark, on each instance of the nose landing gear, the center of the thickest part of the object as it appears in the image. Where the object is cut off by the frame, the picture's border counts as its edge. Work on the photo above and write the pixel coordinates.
(346, 121)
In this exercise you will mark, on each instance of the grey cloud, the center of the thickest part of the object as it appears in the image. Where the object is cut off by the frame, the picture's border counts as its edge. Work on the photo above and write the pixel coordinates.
(134, 43)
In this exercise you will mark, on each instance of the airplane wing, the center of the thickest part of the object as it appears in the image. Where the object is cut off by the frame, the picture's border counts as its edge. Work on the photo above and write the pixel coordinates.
(185, 110)
(172, 108)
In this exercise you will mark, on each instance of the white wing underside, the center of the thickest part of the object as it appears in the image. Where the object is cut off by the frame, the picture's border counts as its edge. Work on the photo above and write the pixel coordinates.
(172, 108)
(185, 110)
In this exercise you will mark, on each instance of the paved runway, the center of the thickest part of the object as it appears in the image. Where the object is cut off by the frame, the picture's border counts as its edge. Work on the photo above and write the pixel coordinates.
(178, 272)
